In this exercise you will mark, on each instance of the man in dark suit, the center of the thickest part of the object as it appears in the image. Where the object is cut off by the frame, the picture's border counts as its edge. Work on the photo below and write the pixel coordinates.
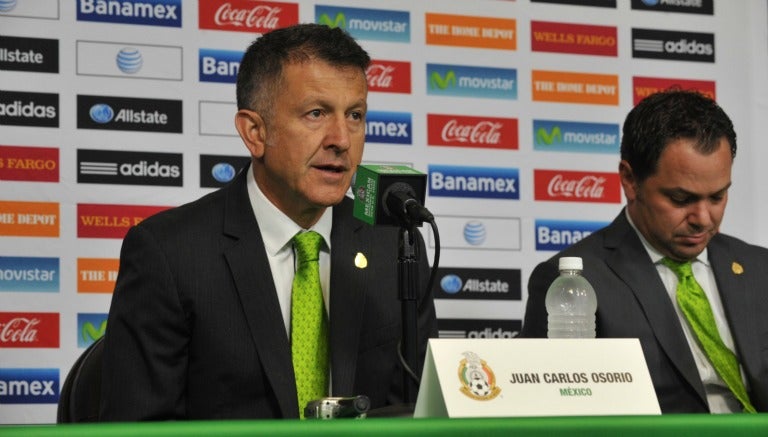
(200, 321)
(677, 152)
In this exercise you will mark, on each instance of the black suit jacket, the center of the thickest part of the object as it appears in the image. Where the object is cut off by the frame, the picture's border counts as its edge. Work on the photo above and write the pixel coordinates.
(633, 303)
(195, 329)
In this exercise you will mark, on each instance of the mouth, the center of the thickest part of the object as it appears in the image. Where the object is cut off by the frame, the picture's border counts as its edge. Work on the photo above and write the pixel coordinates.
(331, 168)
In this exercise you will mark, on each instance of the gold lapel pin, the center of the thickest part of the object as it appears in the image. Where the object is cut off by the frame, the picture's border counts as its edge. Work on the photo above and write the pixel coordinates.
(737, 268)
(361, 261)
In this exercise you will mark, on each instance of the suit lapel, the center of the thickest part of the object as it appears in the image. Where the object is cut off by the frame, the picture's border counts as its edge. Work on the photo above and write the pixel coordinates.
(248, 262)
(630, 262)
(347, 296)
(735, 296)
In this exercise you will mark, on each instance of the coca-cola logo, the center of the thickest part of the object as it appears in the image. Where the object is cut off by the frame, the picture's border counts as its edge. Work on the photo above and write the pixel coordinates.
(380, 76)
(577, 186)
(472, 131)
(483, 132)
(246, 15)
(264, 17)
(19, 330)
(389, 76)
(28, 330)
(590, 187)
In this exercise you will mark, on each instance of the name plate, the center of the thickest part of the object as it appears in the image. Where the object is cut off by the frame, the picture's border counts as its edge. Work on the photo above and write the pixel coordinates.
(535, 377)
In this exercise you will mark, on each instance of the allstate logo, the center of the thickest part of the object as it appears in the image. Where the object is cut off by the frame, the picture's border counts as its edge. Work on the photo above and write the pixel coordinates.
(451, 284)
(101, 113)
(223, 172)
(474, 233)
(129, 60)
(7, 5)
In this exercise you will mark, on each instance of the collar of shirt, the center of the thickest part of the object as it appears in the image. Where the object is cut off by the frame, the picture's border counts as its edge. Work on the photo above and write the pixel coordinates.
(277, 230)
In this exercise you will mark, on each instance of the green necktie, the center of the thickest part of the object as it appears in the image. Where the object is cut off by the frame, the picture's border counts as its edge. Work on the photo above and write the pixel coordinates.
(695, 306)
(309, 325)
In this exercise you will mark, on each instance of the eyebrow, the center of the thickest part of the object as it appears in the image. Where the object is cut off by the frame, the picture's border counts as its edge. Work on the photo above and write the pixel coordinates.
(678, 190)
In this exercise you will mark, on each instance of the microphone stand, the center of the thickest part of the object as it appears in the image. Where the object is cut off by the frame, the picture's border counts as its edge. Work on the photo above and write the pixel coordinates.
(408, 283)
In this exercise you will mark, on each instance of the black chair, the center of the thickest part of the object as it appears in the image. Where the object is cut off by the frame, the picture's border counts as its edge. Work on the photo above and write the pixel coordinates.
(80, 394)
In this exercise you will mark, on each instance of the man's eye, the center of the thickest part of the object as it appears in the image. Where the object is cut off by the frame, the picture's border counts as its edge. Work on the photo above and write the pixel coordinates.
(316, 113)
(357, 115)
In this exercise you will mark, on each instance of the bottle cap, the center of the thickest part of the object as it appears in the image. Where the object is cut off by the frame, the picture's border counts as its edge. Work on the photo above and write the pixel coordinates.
(571, 263)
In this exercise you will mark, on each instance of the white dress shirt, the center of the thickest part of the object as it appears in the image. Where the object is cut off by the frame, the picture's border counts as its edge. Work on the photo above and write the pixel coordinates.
(277, 230)
(719, 396)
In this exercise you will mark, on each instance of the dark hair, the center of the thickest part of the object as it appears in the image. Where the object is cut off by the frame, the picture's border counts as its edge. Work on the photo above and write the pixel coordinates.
(667, 116)
(261, 67)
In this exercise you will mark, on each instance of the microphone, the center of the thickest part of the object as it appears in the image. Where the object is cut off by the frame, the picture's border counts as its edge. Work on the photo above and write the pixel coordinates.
(337, 407)
(390, 195)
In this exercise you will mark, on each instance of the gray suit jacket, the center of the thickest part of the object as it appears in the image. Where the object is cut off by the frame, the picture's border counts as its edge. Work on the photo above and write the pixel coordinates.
(195, 330)
(633, 303)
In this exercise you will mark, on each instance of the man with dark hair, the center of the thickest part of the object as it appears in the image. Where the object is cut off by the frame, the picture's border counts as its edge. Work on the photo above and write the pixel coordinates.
(266, 294)
(662, 271)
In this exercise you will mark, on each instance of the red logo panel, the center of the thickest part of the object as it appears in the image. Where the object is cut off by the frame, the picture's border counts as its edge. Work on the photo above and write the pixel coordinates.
(246, 15)
(576, 186)
(470, 131)
(36, 164)
(389, 77)
(573, 38)
(111, 221)
(29, 330)
(642, 87)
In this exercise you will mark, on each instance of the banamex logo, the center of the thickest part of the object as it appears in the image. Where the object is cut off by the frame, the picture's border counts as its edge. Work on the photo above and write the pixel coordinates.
(7, 5)
(474, 233)
(101, 113)
(223, 172)
(129, 60)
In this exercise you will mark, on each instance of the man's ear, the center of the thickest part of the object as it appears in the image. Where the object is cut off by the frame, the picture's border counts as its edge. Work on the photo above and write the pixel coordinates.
(628, 180)
(250, 125)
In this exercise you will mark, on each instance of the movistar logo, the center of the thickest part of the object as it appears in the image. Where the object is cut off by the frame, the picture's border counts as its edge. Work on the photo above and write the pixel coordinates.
(436, 80)
(340, 21)
(549, 137)
(90, 333)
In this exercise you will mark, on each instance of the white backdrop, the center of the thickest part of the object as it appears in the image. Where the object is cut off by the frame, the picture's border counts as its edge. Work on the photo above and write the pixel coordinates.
(80, 244)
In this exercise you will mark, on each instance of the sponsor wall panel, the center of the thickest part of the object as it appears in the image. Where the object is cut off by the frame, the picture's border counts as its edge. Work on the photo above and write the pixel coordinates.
(512, 108)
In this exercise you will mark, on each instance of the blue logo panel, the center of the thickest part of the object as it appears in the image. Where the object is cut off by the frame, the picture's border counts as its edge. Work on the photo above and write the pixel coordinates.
(90, 327)
(570, 136)
(559, 234)
(477, 182)
(463, 81)
(367, 24)
(388, 127)
(29, 274)
(142, 12)
(29, 386)
(219, 65)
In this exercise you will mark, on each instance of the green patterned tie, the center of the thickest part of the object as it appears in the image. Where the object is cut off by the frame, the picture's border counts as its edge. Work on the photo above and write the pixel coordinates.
(309, 325)
(695, 306)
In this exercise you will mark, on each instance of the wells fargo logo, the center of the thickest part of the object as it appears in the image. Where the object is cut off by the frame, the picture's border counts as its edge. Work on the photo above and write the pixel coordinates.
(643, 87)
(96, 275)
(477, 379)
(38, 164)
(580, 39)
(569, 87)
(111, 221)
(467, 31)
(29, 219)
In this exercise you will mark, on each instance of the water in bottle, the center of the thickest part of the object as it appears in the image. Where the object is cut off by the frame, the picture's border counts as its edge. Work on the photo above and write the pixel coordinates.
(571, 302)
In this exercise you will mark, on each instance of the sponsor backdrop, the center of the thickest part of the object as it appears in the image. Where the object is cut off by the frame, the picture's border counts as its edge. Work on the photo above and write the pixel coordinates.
(111, 111)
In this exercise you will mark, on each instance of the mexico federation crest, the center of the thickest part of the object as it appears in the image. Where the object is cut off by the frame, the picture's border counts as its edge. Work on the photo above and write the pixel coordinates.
(477, 379)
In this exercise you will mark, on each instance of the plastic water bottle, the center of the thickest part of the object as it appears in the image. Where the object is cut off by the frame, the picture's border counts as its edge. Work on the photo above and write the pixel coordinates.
(571, 302)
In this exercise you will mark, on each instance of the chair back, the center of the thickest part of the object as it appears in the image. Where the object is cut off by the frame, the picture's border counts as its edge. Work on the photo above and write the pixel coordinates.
(81, 391)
